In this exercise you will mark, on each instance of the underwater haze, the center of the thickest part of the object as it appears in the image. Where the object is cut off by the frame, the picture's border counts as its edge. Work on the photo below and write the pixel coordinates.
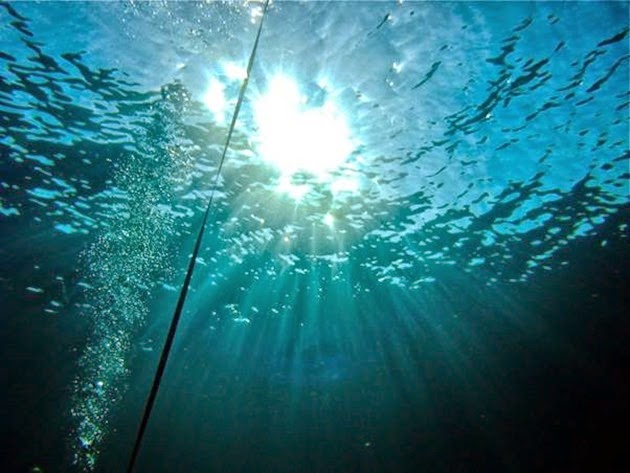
(416, 258)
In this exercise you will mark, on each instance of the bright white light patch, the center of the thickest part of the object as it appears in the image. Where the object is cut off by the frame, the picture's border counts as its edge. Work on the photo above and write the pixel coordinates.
(329, 220)
(344, 184)
(295, 191)
(234, 72)
(255, 13)
(297, 138)
(214, 99)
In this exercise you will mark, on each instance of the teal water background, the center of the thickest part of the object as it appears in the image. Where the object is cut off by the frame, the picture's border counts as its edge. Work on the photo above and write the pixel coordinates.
(463, 313)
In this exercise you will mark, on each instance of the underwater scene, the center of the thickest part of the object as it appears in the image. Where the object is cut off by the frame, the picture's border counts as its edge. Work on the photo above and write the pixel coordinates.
(348, 236)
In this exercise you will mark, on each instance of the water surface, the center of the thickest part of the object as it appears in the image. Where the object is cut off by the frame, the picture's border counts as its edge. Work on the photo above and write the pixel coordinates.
(405, 301)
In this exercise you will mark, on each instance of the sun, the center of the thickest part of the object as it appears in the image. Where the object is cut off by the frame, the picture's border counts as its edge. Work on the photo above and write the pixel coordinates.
(295, 137)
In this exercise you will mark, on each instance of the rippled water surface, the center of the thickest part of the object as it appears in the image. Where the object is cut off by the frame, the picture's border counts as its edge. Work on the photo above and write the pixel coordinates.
(408, 187)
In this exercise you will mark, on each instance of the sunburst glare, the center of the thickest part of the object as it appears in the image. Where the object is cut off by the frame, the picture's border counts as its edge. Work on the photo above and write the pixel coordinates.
(296, 137)
(214, 99)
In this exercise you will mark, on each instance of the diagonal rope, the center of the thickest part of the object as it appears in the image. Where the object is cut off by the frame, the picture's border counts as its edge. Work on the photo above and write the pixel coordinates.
(168, 343)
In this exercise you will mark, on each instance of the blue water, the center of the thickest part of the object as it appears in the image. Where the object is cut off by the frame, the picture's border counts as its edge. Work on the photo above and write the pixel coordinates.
(385, 310)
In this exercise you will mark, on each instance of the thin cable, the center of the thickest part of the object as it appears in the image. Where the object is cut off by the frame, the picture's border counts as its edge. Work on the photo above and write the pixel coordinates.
(148, 407)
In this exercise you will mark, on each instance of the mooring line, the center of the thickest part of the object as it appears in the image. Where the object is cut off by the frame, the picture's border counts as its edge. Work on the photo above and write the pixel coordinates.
(168, 343)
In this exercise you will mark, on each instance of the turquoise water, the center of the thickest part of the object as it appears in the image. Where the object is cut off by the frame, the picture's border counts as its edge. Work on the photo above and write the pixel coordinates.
(396, 246)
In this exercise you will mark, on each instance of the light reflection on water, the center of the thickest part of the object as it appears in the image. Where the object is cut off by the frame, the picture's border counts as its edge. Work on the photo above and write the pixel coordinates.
(482, 139)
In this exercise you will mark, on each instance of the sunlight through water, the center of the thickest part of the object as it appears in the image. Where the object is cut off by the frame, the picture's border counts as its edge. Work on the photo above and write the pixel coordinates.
(398, 225)
(296, 137)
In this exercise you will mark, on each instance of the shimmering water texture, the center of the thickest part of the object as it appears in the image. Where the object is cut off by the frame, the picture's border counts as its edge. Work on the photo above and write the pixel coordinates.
(378, 144)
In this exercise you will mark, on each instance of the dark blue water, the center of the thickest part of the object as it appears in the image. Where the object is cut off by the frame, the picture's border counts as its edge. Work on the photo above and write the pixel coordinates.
(416, 258)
